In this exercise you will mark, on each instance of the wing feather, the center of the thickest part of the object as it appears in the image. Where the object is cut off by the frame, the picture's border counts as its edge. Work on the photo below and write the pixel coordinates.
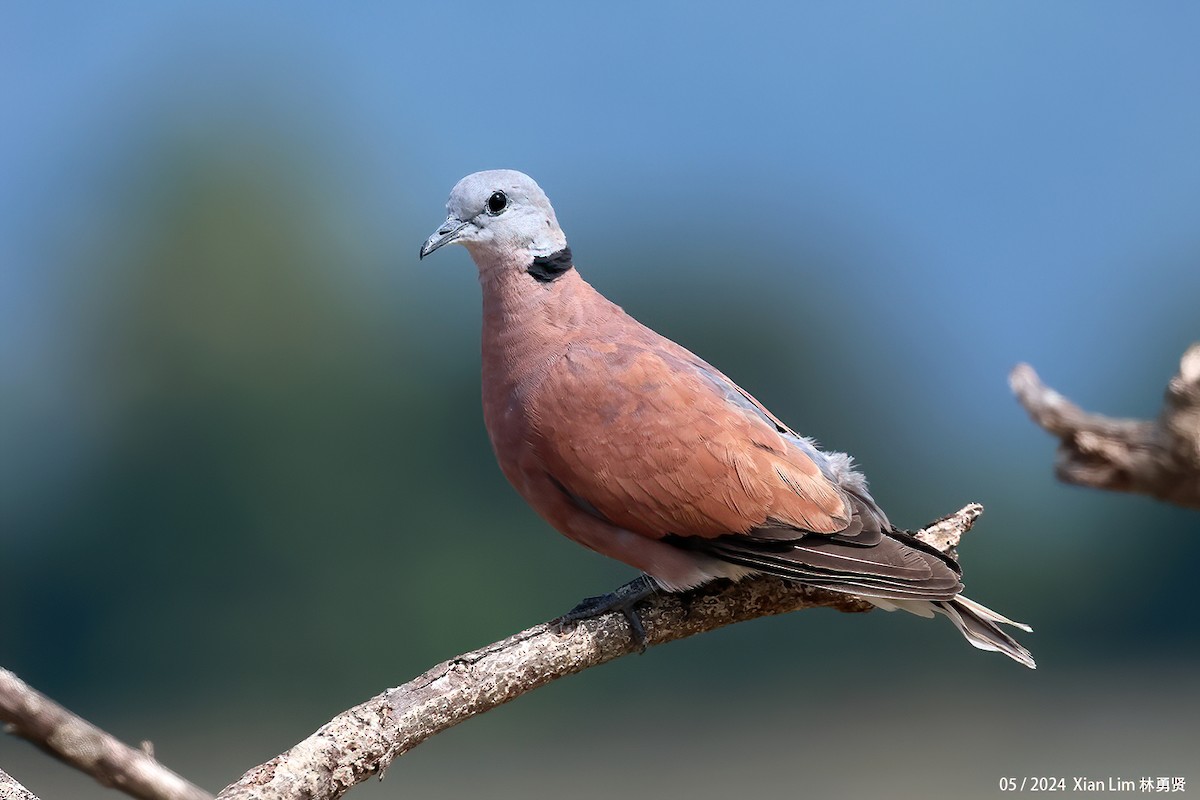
(645, 438)
(658, 442)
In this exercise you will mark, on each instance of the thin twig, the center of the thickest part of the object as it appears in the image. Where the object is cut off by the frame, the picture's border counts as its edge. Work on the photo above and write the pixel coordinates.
(75, 741)
(1159, 457)
(364, 740)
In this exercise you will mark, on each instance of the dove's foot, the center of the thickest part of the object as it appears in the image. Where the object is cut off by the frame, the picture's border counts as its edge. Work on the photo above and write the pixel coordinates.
(624, 599)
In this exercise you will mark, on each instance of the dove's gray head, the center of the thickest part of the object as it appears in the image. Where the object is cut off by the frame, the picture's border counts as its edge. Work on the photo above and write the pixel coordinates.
(505, 220)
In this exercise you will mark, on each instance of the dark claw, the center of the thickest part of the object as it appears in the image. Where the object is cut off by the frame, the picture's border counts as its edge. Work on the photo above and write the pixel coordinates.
(625, 600)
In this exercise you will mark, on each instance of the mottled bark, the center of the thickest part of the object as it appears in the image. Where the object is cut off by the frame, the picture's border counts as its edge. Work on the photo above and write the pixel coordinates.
(364, 740)
(11, 790)
(75, 741)
(1159, 457)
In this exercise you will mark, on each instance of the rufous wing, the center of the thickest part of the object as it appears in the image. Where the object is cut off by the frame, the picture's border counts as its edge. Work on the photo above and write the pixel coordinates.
(642, 435)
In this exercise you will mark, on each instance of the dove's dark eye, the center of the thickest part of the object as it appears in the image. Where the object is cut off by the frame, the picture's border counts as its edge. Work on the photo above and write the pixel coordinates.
(497, 203)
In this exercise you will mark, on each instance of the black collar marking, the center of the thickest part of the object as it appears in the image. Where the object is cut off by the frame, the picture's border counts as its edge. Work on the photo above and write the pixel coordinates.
(547, 268)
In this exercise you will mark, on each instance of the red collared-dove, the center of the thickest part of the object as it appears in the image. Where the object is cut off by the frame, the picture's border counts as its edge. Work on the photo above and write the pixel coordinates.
(632, 446)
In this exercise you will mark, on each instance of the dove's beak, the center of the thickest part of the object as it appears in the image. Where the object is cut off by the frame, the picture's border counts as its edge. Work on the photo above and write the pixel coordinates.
(448, 233)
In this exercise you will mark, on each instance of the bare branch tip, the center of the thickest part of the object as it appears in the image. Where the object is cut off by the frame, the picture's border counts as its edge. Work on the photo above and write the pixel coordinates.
(946, 533)
(1158, 457)
(1020, 374)
(1189, 365)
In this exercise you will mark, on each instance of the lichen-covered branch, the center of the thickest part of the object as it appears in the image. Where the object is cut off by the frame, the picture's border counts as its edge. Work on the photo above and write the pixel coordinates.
(1159, 457)
(364, 740)
(75, 741)
(11, 790)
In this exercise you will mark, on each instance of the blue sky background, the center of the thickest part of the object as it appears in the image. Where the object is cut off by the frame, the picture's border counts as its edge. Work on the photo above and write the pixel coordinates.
(217, 347)
(1011, 181)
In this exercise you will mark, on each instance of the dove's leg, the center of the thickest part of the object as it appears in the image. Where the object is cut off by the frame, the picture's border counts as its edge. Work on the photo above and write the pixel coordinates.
(623, 599)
